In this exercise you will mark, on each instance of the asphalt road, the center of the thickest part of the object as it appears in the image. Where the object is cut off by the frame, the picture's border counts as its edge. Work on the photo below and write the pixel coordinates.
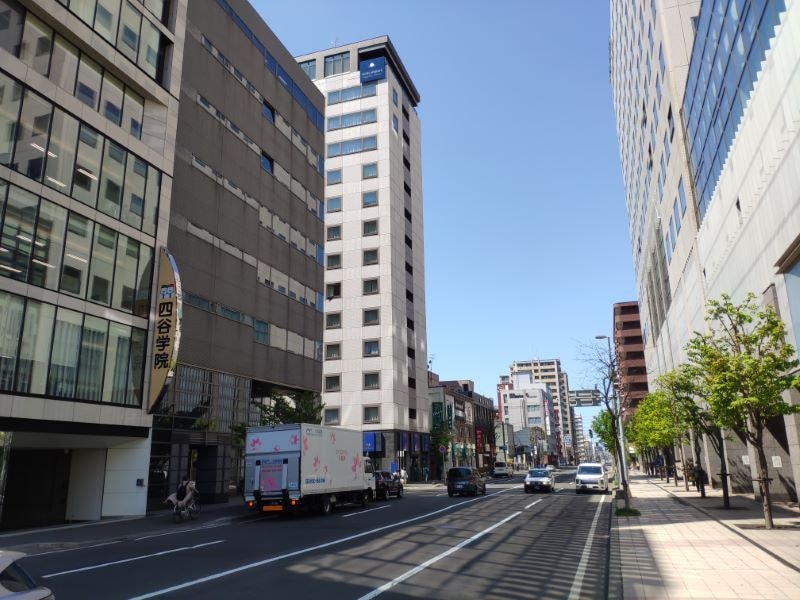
(507, 544)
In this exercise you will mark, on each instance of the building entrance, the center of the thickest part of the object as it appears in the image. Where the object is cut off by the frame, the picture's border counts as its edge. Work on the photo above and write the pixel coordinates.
(36, 488)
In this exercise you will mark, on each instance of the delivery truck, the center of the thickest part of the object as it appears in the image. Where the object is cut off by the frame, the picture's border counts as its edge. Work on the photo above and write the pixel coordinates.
(305, 467)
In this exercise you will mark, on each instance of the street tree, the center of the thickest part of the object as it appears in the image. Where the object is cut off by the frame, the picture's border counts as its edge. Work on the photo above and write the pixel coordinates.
(687, 387)
(602, 427)
(656, 425)
(748, 365)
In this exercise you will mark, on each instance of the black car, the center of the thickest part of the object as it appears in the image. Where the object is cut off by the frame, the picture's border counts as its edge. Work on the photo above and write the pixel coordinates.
(465, 480)
(387, 485)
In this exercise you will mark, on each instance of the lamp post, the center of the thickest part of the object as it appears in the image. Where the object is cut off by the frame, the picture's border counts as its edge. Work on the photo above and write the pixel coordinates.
(616, 403)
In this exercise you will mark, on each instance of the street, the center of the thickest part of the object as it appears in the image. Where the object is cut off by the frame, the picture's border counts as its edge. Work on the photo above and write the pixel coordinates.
(508, 544)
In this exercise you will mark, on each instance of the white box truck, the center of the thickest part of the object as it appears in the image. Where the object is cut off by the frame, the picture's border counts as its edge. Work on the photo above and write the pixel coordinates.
(302, 466)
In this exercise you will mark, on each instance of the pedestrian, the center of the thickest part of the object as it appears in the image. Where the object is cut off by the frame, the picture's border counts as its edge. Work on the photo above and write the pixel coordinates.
(425, 473)
(697, 471)
(404, 475)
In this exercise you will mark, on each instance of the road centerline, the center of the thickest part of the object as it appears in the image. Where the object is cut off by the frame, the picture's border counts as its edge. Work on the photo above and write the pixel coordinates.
(410, 573)
(131, 559)
(361, 512)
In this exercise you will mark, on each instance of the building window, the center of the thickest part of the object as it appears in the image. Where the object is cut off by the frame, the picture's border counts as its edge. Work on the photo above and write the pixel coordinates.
(268, 112)
(394, 96)
(333, 352)
(262, 332)
(352, 93)
(670, 123)
(370, 286)
(410, 324)
(372, 414)
(370, 257)
(310, 68)
(372, 348)
(334, 233)
(267, 163)
(369, 199)
(334, 261)
(369, 171)
(352, 146)
(395, 124)
(412, 383)
(371, 316)
(331, 416)
(333, 320)
(333, 383)
(334, 177)
(352, 119)
(333, 290)
(410, 352)
(370, 227)
(334, 204)
(681, 195)
(337, 63)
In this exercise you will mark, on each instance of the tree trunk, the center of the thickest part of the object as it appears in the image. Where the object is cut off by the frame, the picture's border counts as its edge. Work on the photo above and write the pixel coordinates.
(763, 478)
(685, 470)
(726, 497)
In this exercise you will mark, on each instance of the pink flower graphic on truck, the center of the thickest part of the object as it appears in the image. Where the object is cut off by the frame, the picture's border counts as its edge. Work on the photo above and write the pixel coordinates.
(315, 464)
(255, 443)
(356, 466)
(294, 439)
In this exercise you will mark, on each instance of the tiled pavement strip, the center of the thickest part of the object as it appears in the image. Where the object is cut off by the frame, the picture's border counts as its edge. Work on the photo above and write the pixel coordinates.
(684, 546)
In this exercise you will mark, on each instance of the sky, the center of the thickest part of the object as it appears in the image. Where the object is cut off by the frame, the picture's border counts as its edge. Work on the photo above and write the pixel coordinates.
(526, 241)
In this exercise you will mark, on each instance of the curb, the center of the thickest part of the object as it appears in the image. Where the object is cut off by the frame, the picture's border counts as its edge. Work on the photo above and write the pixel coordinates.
(614, 587)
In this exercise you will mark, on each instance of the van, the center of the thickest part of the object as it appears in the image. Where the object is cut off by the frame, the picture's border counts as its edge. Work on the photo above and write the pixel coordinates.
(465, 480)
(501, 470)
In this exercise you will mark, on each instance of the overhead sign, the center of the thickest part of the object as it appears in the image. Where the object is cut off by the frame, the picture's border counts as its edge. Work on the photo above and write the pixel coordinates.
(568, 440)
(372, 69)
(167, 330)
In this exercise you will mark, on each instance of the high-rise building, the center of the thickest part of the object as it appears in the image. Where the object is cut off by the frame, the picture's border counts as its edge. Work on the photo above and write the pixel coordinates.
(246, 229)
(705, 95)
(549, 371)
(375, 355)
(88, 113)
(629, 350)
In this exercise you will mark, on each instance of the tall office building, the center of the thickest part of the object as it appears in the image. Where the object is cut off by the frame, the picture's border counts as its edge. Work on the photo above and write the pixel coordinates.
(375, 356)
(710, 91)
(88, 113)
(629, 350)
(549, 371)
(246, 229)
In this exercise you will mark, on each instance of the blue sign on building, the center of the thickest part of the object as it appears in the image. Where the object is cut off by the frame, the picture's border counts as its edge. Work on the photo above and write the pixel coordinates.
(372, 69)
(369, 441)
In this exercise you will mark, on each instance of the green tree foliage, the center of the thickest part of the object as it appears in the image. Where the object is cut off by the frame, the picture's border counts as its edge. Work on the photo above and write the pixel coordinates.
(295, 406)
(747, 364)
(654, 424)
(603, 427)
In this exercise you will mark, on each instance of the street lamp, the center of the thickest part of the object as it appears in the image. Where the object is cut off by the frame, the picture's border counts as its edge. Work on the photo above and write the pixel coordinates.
(616, 403)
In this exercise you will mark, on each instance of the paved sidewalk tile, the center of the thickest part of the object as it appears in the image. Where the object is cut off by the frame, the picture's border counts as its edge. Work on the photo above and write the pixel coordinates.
(682, 547)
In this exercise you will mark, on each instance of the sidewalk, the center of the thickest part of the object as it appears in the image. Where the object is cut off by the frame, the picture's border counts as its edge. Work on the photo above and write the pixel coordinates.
(684, 546)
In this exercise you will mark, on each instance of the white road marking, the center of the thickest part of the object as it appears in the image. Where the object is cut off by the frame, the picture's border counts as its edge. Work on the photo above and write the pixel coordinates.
(76, 548)
(267, 561)
(132, 559)
(203, 528)
(534, 503)
(577, 583)
(389, 585)
(361, 512)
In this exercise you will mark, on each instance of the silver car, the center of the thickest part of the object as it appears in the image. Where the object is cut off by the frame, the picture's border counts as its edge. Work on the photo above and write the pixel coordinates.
(539, 479)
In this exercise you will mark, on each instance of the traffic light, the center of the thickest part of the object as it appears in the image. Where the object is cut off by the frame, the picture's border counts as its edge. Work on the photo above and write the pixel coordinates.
(591, 433)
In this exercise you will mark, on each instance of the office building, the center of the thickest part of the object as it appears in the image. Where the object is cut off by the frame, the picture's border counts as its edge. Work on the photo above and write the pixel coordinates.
(549, 371)
(375, 355)
(528, 407)
(705, 101)
(246, 229)
(88, 113)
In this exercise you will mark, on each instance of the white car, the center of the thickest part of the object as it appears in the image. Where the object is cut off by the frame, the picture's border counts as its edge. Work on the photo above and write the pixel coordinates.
(15, 581)
(591, 477)
(501, 470)
(539, 479)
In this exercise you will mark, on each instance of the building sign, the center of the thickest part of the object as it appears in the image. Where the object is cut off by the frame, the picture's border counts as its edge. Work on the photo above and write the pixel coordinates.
(479, 438)
(450, 416)
(167, 330)
(437, 410)
(568, 441)
(372, 69)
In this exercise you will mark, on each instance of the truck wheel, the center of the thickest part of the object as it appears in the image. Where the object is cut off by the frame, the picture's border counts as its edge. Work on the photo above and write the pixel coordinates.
(325, 505)
(364, 498)
(370, 495)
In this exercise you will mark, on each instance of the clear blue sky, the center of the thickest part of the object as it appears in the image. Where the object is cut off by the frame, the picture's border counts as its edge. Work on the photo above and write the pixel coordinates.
(526, 243)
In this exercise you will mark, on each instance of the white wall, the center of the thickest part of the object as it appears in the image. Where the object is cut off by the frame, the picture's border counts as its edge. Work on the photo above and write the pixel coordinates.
(86, 477)
(126, 463)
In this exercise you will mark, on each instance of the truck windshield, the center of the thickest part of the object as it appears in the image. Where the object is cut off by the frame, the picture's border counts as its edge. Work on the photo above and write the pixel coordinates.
(590, 470)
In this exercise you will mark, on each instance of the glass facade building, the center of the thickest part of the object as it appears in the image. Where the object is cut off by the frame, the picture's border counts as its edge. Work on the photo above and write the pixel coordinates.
(731, 42)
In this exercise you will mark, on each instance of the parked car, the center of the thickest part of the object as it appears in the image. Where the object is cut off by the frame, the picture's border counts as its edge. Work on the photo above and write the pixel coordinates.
(590, 477)
(539, 479)
(387, 485)
(501, 470)
(465, 480)
(15, 582)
